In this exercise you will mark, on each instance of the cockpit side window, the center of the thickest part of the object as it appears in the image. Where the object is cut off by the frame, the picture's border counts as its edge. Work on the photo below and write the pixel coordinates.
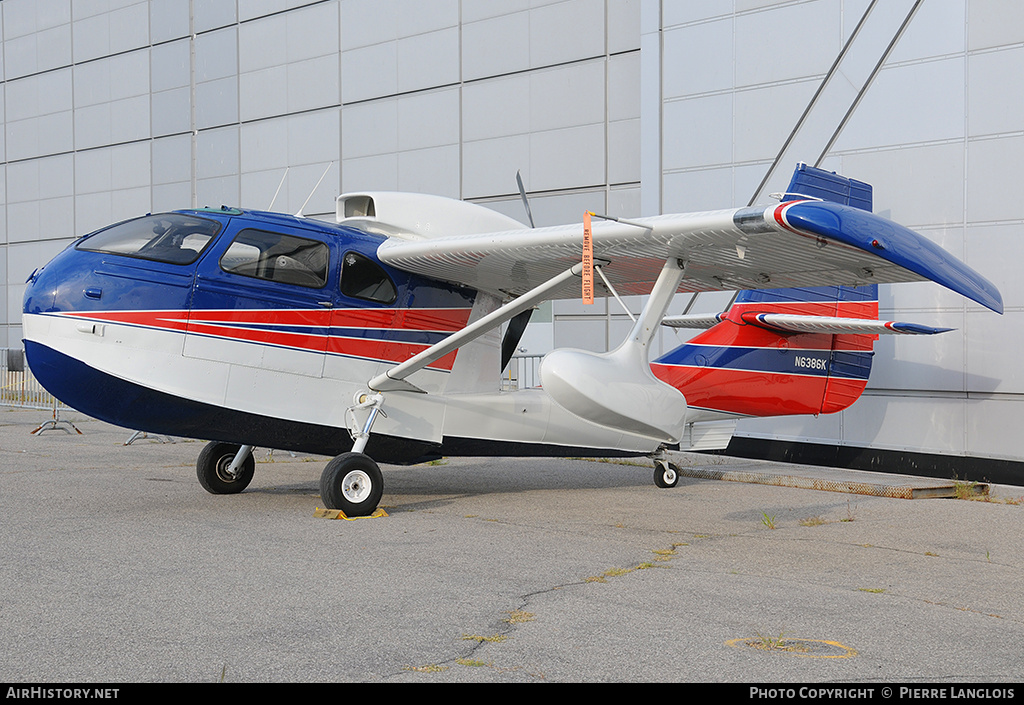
(362, 278)
(174, 238)
(277, 257)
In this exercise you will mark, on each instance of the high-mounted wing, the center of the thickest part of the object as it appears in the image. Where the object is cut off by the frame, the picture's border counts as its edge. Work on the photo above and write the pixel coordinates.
(801, 242)
(792, 244)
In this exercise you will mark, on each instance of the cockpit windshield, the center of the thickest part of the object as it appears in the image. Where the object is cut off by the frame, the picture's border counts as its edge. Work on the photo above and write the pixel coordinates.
(174, 238)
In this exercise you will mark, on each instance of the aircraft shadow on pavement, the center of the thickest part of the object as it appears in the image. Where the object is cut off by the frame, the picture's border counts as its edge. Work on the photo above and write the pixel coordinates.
(448, 479)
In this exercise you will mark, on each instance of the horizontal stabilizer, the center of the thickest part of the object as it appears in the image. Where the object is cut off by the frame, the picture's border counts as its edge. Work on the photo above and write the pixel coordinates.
(787, 323)
(693, 320)
(832, 324)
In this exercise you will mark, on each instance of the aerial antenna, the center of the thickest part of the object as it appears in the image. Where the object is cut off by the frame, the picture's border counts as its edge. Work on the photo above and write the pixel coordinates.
(272, 200)
(623, 221)
(522, 194)
(299, 213)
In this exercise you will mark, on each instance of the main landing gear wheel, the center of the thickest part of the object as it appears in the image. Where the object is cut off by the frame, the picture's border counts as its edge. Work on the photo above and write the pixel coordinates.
(665, 474)
(212, 469)
(353, 483)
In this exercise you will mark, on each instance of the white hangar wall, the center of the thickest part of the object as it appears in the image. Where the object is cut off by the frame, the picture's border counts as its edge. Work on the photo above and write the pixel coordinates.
(113, 108)
(917, 99)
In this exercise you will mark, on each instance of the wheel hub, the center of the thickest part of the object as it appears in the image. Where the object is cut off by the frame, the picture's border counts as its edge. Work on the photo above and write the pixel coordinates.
(224, 469)
(356, 486)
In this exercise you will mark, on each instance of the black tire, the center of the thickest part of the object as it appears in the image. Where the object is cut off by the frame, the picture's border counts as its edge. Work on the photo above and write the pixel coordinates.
(212, 466)
(665, 474)
(353, 483)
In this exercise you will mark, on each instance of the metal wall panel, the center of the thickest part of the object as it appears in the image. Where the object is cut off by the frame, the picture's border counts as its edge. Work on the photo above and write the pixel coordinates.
(4, 303)
(800, 39)
(111, 184)
(168, 19)
(496, 107)
(698, 131)
(993, 426)
(305, 145)
(37, 52)
(99, 30)
(3, 212)
(995, 364)
(428, 119)
(40, 202)
(909, 104)
(992, 166)
(212, 14)
(987, 245)
(216, 78)
(39, 119)
(493, 46)
(216, 170)
(993, 23)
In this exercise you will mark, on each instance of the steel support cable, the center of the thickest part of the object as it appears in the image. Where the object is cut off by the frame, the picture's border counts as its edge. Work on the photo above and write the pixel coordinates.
(868, 82)
(814, 99)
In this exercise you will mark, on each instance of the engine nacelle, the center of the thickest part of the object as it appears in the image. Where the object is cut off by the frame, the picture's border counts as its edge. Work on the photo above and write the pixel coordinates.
(418, 216)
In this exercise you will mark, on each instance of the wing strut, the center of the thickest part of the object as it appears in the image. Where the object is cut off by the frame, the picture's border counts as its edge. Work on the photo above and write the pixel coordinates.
(395, 378)
(618, 298)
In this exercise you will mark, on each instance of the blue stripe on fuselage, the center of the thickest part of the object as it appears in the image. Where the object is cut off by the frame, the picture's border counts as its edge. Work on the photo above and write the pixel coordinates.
(817, 363)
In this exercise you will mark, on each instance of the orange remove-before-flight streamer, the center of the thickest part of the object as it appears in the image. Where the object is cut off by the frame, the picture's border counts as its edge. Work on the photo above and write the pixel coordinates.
(588, 261)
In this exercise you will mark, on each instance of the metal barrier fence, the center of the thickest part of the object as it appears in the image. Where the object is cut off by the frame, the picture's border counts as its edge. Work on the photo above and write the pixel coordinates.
(17, 385)
(523, 373)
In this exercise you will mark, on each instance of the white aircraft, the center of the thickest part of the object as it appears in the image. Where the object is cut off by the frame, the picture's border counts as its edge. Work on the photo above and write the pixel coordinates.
(378, 338)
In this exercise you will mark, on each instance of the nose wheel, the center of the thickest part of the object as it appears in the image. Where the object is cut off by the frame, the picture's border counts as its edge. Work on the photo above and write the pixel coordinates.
(353, 483)
(666, 474)
(220, 473)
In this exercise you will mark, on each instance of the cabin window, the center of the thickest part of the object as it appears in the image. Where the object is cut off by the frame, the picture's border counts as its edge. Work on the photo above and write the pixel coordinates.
(174, 238)
(362, 278)
(277, 257)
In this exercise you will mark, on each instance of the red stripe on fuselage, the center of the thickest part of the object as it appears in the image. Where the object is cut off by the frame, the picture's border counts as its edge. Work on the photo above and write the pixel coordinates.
(169, 320)
(284, 339)
(238, 325)
(434, 320)
(385, 350)
(440, 320)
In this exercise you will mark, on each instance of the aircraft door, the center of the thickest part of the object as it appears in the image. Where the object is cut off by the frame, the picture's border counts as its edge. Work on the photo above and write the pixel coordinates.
(263, 300)
(364, 317)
